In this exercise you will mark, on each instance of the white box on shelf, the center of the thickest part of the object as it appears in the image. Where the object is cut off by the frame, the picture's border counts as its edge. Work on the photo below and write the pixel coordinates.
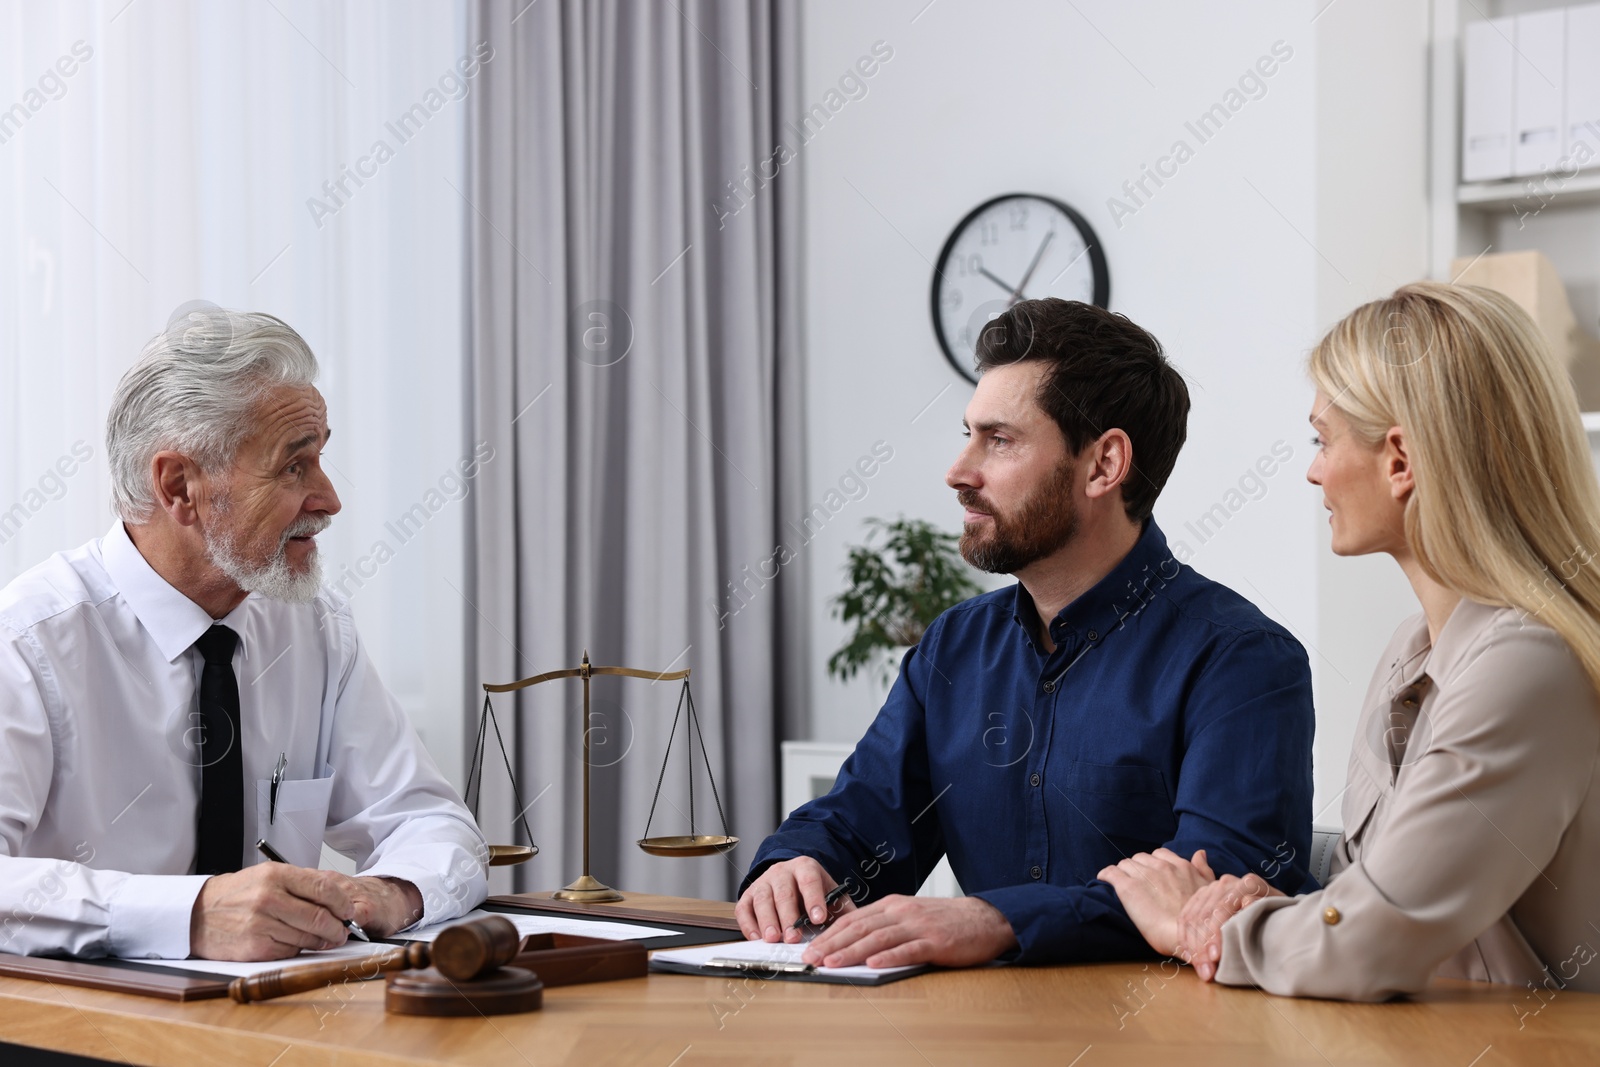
(1540, 81)
(809, 770)
(1487, 97)
(1583, 83)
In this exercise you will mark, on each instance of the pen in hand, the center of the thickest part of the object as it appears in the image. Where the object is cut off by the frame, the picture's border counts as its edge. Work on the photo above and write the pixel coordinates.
(805, 924)
(273, 855)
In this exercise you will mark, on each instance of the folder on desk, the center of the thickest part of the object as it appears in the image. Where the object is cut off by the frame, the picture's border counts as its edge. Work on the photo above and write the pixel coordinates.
(759, 959)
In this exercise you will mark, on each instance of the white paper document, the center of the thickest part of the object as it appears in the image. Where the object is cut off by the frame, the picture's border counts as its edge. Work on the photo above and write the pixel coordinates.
(548, 924)
(350, 950)
(694, 959)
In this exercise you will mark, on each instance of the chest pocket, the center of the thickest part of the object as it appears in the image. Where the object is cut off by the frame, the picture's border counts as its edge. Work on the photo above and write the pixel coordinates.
(1117, 810)
(301, 818)
(1360, 811)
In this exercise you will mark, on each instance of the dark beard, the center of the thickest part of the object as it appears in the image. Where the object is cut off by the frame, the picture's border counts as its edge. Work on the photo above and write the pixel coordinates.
(1046, 520)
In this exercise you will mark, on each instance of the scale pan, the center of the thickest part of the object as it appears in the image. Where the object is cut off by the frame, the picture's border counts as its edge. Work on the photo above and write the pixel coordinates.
(688, 845)
(507, 855)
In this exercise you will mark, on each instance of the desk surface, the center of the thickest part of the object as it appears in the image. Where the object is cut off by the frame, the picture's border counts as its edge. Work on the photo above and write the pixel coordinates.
(1113, 1013)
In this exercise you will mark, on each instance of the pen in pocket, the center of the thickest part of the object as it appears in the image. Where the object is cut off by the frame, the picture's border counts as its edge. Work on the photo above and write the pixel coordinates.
(272, 790)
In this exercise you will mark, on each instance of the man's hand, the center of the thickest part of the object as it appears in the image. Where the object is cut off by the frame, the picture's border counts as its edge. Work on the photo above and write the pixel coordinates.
(1153, 888)
(273, 910)
(1200, 923)
(385, 905)
(270, 911)
(769, 908)
(897, 931)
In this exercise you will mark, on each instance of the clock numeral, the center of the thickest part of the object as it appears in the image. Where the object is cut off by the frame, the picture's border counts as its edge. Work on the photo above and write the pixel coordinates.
(989, 232)
(1019, 216)
(972, 264)
(951, 300)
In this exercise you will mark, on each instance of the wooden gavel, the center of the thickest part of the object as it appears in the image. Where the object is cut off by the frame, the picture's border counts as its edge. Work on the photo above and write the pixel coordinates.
(460, 953)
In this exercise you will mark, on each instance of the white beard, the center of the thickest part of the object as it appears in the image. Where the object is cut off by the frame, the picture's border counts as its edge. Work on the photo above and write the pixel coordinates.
(275, 578)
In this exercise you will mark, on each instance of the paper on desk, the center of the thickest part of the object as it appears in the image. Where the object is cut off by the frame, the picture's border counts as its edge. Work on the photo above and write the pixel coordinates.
(765, 952)
(350, 950)
(547, 924)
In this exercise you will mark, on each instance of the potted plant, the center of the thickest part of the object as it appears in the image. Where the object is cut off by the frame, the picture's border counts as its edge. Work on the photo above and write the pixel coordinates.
(895, 591)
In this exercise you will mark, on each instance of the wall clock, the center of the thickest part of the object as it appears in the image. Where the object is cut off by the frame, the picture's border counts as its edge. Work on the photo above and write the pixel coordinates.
(1015, 247)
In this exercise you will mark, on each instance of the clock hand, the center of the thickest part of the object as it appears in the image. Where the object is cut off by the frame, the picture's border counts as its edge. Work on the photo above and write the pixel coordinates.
(1032, 266)
(985, 272)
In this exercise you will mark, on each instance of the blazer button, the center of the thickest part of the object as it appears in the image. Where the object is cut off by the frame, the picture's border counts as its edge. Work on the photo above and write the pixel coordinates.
(1036, 873)
(1331, 916)
(1033, 780)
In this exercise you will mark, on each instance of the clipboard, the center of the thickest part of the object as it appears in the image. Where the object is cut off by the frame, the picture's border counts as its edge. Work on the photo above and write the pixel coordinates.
(761, 960)
(145, 978)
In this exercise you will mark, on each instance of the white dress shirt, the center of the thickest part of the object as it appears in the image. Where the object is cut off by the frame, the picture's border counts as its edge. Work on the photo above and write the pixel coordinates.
(99, 709)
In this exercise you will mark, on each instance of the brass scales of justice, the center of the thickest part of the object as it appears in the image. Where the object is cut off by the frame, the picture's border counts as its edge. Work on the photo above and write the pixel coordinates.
(586, 887)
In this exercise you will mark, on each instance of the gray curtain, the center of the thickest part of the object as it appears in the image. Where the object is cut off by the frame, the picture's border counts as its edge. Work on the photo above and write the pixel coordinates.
(633, 336)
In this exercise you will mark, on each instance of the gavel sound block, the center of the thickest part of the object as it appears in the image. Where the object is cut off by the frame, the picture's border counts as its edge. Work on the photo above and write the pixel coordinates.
(467, 975)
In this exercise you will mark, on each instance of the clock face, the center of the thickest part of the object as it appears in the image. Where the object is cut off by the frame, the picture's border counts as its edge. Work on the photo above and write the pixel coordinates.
(1014, 247)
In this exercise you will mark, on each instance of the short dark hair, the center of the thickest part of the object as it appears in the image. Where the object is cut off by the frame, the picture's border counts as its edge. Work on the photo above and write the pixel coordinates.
(1105, 373)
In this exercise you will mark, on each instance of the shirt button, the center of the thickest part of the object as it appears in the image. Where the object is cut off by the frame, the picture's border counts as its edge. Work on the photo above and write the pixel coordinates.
(1050, 687)
(1036, 873)
(1033, 780)
(1330, 915)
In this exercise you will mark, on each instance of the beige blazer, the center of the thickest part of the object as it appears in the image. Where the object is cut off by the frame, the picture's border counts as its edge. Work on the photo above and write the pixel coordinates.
(1471, 844)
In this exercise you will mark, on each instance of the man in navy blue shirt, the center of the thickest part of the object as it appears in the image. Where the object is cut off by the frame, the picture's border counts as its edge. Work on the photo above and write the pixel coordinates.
(1112, 702)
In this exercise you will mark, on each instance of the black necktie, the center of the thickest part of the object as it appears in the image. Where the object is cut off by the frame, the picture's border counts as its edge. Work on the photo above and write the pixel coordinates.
(220, 838)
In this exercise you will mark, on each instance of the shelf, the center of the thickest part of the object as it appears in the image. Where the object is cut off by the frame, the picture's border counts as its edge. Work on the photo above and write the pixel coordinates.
(1591, 422)
(1531, 193)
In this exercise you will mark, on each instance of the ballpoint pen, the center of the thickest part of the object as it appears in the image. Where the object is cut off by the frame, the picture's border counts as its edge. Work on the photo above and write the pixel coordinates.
(805, 923)
(272, 790)
(273, 855)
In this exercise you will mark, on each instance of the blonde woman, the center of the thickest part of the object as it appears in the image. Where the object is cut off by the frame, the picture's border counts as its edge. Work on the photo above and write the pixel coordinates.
(1449, 438)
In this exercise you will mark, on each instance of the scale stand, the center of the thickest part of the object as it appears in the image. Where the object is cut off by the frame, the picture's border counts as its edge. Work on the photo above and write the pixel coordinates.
(586, 888)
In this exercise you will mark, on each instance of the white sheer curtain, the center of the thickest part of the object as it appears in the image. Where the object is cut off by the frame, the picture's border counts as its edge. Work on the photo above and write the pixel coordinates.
(159, 152)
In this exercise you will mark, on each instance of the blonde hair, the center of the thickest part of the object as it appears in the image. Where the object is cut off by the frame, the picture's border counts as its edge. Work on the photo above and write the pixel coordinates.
(1506, 509)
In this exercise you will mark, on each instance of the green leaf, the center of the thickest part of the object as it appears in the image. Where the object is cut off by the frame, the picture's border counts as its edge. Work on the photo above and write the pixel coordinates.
(892, 593)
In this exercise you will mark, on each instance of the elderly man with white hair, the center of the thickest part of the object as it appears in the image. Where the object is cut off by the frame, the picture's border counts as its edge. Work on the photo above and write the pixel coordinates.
(184, 686)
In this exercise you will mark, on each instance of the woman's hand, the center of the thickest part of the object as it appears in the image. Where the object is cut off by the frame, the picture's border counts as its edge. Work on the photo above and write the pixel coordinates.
(1199, 926)
(1153, 888)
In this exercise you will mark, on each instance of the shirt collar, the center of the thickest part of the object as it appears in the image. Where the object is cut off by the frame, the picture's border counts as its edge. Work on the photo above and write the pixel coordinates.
(1442, 658)
(173, 621)
(1124, 591)
(1411, 659)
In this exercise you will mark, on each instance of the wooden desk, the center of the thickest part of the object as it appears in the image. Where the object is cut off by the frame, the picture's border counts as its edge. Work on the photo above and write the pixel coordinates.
(1087, 1015)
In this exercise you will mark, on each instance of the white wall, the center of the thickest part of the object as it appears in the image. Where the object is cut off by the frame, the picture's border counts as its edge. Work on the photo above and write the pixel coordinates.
(1372, 228)
(988, 97)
